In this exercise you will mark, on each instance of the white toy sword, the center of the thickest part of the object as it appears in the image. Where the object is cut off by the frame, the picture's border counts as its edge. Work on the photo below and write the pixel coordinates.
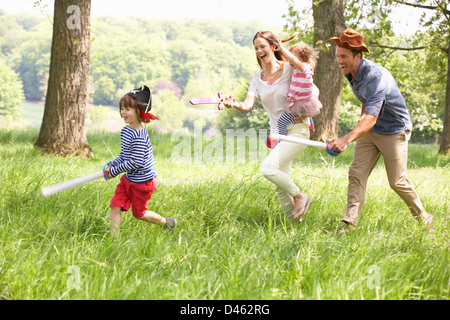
(48, 191)
(306, 142)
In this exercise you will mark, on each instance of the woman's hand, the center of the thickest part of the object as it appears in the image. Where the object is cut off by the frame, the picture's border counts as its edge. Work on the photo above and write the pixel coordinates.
(245, 106)
(230, 104)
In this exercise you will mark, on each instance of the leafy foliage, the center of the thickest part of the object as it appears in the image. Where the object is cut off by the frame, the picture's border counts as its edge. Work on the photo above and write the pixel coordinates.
(174, 51)
(27, 50)
(234, 119)
(420, 74)
(11, 93)
(169, 109)
(198, 58)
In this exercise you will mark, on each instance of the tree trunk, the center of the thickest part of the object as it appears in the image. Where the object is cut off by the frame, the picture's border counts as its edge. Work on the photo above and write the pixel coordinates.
(62, 130)
(445, 143)
(328, 22)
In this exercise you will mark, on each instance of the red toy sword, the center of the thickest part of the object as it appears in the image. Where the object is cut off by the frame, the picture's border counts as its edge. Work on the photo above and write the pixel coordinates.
(220, 100)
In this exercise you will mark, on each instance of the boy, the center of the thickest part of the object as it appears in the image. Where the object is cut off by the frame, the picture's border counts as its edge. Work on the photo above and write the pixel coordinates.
(139, 182)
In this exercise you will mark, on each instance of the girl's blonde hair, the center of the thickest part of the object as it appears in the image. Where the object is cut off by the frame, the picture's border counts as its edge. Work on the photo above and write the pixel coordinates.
(127, 102)
(304, 53)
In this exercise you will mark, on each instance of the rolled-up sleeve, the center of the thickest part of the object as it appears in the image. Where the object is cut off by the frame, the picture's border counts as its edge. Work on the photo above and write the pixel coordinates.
(376, 96)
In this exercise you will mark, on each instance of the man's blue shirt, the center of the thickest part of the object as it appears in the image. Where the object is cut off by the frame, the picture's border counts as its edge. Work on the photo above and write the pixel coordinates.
(377, 90)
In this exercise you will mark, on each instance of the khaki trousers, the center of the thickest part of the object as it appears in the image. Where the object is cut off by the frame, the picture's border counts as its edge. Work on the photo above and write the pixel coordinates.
(368, 148)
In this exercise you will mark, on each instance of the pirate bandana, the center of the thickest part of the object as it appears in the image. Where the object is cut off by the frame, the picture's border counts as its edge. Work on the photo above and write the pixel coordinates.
(144, 96)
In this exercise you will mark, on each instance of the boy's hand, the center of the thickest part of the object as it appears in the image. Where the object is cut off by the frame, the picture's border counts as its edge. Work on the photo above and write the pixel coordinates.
(107, 171)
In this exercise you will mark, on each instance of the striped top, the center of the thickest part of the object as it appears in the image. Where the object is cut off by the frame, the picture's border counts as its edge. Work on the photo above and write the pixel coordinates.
(135, 157)
(287, 118)
(301, 87)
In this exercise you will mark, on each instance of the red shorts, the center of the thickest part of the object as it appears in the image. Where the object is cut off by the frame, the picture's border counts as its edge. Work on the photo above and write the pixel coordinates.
(135, 194)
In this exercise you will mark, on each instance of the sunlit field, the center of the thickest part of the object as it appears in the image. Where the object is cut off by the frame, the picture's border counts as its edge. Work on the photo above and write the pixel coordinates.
(233, 240)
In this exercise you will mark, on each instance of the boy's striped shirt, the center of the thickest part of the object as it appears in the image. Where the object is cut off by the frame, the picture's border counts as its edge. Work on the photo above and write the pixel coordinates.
(136, 156)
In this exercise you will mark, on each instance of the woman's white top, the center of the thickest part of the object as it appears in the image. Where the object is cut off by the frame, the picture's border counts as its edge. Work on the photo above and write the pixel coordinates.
(272, 96)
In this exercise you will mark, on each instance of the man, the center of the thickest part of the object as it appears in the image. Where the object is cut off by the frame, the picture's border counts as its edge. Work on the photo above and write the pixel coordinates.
(384, 128)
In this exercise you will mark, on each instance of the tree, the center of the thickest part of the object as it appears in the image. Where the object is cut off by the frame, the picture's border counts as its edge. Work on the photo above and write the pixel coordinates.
(437, 45)
(105, 91)
(328, 22)
(173, 86)
(62, 130)
(169, 109)
(31, 60)
(372, 19)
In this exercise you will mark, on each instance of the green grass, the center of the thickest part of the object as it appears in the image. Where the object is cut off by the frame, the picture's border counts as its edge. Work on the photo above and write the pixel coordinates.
(233, 240)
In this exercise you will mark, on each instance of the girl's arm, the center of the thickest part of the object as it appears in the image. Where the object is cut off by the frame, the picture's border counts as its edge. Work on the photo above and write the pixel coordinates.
(290, 57)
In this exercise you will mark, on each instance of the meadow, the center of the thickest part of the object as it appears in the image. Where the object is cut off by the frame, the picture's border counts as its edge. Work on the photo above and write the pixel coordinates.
(233, 240)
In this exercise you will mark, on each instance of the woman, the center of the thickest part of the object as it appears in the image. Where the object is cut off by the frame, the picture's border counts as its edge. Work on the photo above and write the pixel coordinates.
(271, 85)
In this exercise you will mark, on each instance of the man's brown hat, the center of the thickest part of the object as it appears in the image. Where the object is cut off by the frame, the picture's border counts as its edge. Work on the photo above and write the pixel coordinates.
(352, 40)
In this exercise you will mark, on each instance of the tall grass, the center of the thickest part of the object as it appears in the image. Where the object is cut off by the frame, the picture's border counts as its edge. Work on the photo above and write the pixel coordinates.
(233, 240)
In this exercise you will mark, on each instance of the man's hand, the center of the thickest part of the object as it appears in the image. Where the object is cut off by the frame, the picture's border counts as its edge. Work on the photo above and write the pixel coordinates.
(338, 144)
(365, 123)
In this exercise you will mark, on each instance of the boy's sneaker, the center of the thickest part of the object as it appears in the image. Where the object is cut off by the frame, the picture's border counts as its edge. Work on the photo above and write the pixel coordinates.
(171, 222)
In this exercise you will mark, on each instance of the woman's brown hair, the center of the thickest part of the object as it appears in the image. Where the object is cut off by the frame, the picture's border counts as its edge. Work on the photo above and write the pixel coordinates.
(272, 40)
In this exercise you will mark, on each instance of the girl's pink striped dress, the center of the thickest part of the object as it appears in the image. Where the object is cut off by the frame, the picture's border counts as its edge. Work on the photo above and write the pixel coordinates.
(300, 102)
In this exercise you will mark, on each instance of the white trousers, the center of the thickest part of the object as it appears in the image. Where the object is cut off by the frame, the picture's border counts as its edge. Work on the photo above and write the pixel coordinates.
(277, 166)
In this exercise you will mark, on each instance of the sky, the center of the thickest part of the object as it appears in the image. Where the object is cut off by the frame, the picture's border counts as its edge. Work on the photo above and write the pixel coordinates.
(268, 12)
(242, 10)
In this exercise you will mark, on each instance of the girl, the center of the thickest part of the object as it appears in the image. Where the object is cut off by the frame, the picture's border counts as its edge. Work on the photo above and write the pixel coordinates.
(271, 85)
(139, 182)
(301, 102)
